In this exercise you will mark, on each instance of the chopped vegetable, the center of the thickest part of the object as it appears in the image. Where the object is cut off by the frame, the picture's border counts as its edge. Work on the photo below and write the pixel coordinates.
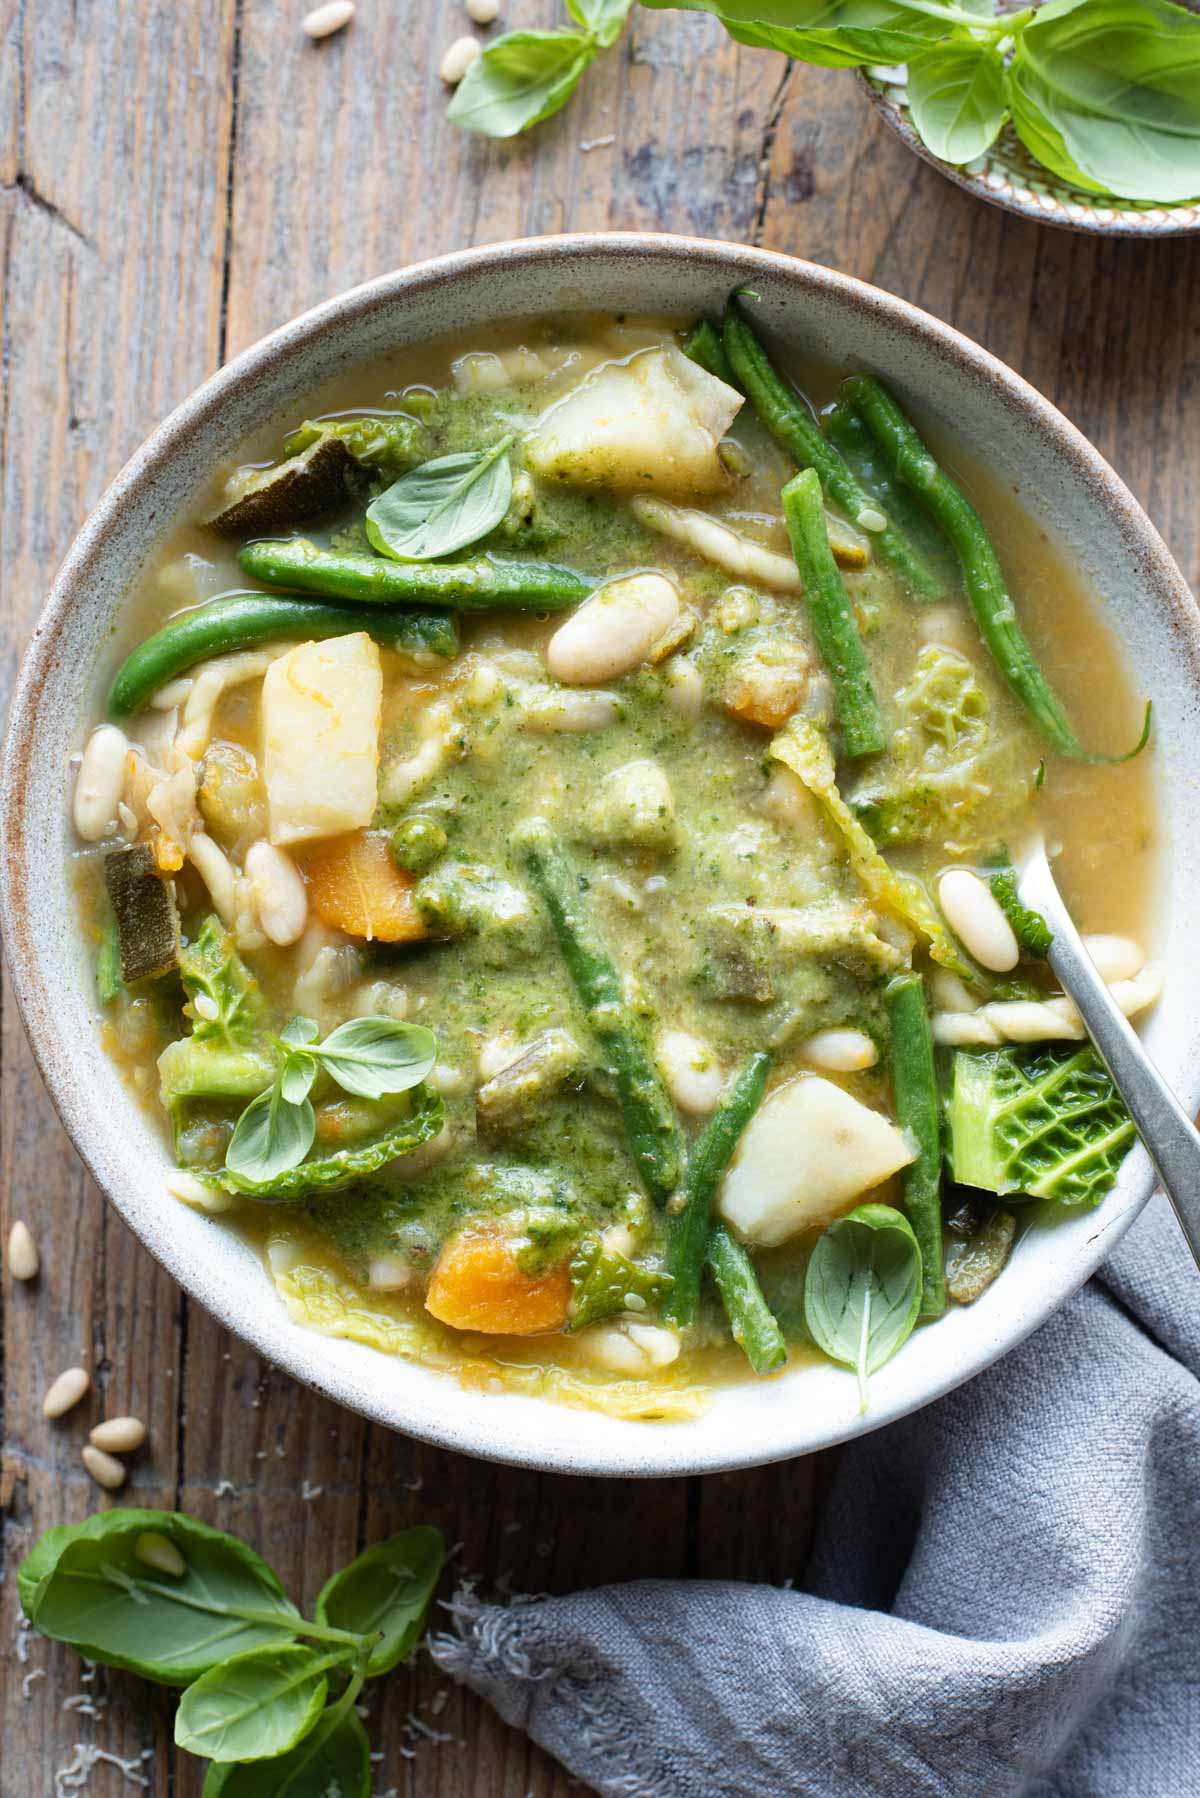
(510, 1097)
(386, 442)
(310, 485)
(144, 913)
(605, 1283)
(227, 1054)
(703, 344)
(108, 964)
(1045, 1122)
(414, 1120)
(754, 1328)
(479, 1284)
(321, 711)
(355, 885)
(1029, 927)
(975, 1263)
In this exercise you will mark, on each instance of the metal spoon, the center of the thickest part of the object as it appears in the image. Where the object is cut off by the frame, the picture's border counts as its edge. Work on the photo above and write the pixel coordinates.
(1172, 1140)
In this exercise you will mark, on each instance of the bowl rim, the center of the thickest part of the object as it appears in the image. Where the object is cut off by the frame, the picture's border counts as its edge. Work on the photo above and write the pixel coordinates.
(660, 1450)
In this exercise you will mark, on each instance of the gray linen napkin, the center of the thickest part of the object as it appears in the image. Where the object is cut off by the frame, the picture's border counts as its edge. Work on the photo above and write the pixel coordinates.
(1004, 1596)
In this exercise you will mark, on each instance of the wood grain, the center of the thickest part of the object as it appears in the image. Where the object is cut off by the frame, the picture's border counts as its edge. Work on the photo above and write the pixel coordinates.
(174, 181)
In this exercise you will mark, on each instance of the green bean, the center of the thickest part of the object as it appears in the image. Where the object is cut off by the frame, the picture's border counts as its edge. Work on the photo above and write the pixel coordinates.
(919, 1114)
(832, 617)
(791, 423)
(485, 585)
(862, 455)
(108, 964)
(750, 1318)
(995, 613)
(650, 1122)
(703, 344)
(706, 1164)
(242, 620)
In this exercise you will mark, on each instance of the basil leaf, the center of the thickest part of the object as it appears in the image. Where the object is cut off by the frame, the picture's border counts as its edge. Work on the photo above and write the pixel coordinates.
(443, 505)
(386, 1590)
(1107, 95)
(83, 1584)
(334, 1757)
(272, 1135)
(300, 1032)
(296, 1079)
(376, 1057)
(258, 1705)
(834, 34)
(420, 1120)
(862, 1289)
(957, 97)
(603, 19)
(519, 80)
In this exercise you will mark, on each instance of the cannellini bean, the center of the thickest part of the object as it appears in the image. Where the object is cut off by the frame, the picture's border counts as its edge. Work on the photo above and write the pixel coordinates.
(614, 631)
(153, 1549)
(185, 1187)
(100, 783)
(571, 712)
(278, 891)
(841, 1051)
(630, 1348)
(1039, 1020)
(964, 1030)
(66, 1391)
(1116, 957)
(458, 59)
(716, 543)
(1140, 993)
(1034, 1020)
(23, 1259)
(118, 1435)
(323, 21)
(217, 872)
(684, 687)
(106, 1470)
(977, 921)
(952, 994)
(693, 1074)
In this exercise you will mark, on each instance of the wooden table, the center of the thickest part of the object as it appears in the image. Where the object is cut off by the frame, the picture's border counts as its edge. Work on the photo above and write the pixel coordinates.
(176, 179)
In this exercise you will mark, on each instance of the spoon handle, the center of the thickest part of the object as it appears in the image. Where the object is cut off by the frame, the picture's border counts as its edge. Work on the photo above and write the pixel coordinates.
(1172, 1140)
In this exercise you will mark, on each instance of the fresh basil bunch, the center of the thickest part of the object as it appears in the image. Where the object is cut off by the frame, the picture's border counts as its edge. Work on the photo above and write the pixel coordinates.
(1103, 93)
(161, 1594)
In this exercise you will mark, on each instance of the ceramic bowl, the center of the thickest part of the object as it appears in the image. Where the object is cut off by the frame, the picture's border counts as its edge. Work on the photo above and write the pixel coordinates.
(1070, 493)
(1006, 175)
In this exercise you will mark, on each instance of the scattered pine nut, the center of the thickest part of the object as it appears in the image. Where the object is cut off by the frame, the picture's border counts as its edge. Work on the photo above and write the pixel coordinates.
(118, 1435)
(323, 21)
(23, 1261)
(106, 1470)
(155, 1550)
(483, 12)
(66, 1391)
(458, 59)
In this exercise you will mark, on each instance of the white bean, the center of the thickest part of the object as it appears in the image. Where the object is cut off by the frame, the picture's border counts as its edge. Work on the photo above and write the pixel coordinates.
(964, 1030)
(118, 1435)
(693, 1074)
(100, 783)
(23, 1259)
(841, 1051)
(279, 894)
(571, 712)
(614, 631)
(323, 21)
(952, 994)
(630, 1348)
(216, 871)
(1034, 1020)
(153, 1549)
(1116, 957)
(458, 59)
(977, 921)
(1136, 995)
(66, 1391)
(106, 1470)
(483, 12)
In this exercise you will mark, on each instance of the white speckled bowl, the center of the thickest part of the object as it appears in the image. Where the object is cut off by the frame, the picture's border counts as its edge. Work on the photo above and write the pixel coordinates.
(1070, 492)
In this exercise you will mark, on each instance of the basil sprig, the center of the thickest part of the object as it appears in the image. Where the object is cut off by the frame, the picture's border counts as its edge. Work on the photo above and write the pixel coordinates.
(443, 505)
(1104, 93)
(373, 1058)
(862, 1289)
(257, 1674)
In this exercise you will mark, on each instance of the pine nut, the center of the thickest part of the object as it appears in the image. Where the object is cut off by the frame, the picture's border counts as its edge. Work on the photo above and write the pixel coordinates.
(100, 783)
(483, 12)
(614, 631)
(118, 1435)
(458, 59)
(106, 1470)
(841, 1051)
(155, 1550)
(66, 1391)
(977, 921)
(279, 894)
(23, 1261)
(323, 21)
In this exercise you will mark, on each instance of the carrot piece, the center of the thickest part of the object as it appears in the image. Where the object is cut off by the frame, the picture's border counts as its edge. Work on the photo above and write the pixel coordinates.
(354, 885)
(478, 1284)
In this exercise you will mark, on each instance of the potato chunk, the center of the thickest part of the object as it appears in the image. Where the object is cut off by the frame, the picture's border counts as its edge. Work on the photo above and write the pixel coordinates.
(649, 425)
(806, 1157)
(322, 705)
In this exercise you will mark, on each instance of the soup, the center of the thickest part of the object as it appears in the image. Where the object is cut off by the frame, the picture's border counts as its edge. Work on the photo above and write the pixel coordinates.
(551, 858)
